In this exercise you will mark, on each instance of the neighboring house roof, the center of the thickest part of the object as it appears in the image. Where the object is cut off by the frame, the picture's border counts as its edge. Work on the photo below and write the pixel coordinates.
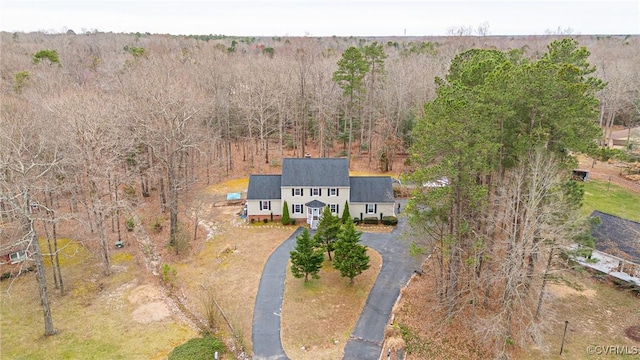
(371, 189)
(617, 236)
(264, 187)
(326, 172)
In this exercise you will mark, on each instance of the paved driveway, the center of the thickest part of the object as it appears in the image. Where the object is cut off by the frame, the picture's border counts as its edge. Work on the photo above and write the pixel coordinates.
(366, 339)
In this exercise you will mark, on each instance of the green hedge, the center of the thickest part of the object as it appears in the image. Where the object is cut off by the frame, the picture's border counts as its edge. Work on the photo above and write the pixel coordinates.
(390, 220)
(197, 349)
(370, 220)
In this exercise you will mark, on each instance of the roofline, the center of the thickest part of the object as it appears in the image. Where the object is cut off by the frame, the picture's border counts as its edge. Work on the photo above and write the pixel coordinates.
(615, 216)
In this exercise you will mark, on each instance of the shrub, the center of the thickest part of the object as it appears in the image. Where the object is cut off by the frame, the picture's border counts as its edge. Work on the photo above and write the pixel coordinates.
(390, 220)
(265, 220)
(285, 214)
(293, 221)
(156, 225)
(356, 220)
(169, 275)
(130, 224)
(370, 220)
(197, 349)
(253, 220)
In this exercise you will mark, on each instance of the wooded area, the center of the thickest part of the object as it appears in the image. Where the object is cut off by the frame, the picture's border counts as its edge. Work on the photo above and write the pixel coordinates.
(92, 123)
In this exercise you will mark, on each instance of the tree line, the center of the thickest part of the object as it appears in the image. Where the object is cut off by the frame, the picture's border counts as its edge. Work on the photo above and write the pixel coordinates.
(503, 130)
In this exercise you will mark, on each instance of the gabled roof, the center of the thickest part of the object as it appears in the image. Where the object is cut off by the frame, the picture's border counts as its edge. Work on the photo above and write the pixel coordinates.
(368, 189)
(325, 172)
(264, 187)
(617, 236)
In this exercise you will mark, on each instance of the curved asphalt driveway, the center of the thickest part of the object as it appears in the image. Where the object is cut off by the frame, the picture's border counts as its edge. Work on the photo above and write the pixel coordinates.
(366, 339)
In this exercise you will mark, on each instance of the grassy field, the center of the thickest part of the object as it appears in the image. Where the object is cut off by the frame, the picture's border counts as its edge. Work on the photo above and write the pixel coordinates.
(98, 318)
(598, 315)
(611, 199)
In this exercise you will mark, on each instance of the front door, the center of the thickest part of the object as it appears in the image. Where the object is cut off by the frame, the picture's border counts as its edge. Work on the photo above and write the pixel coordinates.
(313, 215)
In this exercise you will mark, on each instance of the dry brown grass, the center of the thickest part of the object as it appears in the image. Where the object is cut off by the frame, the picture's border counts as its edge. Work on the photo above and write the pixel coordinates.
(99, 317)
(230, 263)
(598, 314)
(318, 316)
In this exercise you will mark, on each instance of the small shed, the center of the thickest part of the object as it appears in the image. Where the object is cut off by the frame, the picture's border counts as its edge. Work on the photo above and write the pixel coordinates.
(580, 175)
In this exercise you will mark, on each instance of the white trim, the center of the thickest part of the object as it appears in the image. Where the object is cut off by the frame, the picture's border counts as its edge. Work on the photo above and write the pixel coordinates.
(333, 208)
(373, 208)
(18, 256)
(299, 209)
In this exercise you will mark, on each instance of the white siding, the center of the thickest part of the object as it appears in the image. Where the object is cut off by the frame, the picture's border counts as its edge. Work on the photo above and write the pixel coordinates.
(386, 209)
(253, 207)
(343, 196)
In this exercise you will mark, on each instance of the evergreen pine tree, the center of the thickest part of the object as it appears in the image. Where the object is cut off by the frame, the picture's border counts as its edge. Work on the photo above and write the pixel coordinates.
(350, 258)
(327, 232)
(285, 214)
(346, 216)
(305, 258)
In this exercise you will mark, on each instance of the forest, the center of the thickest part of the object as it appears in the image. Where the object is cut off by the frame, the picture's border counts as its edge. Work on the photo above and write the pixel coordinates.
(93, 124)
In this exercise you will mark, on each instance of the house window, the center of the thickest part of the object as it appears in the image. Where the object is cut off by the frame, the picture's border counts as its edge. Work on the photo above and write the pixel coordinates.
(371, 208)
(297, 208)
(297, 192)
(316, 192)
(333, 191)
(265, 205)
(18, 256)
(333, 208)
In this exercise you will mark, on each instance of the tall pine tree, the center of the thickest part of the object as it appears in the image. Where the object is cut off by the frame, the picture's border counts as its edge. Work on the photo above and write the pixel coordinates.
(327, 232)
(351, 258)
(305, 258)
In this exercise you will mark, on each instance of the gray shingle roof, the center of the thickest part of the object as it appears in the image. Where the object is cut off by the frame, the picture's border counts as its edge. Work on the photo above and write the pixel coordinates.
(315, 172)
(615, 235)
(264, 187)
(369, 189)
(315, 204)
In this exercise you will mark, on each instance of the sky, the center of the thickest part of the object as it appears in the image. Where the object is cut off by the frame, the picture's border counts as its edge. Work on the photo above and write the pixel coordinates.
(322, 17)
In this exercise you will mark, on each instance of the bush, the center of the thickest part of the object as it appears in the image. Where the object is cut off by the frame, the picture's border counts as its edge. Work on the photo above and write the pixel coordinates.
(156, 225)
(356, 220)
(390, 220)
(370, 220)
(293, 221)
(130, 224)
(169, 275)
(253, 220)
(265, 220)
(198, 348)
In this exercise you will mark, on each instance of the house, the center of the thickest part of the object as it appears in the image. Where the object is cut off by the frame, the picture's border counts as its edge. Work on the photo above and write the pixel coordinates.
(14, 253)
(307, 185)
(617, 236)
(617, 250)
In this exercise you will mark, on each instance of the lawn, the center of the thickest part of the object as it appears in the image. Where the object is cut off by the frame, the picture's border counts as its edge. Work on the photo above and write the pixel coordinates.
(98, 318)
(318, 316)
(611, 199)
